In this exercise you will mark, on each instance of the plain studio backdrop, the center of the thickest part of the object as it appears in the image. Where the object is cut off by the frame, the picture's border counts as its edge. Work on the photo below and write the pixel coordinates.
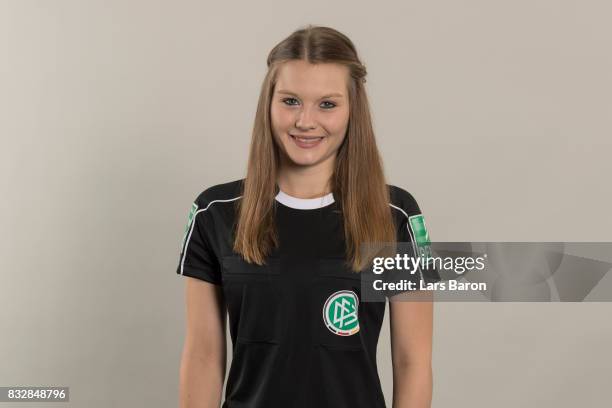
(114, 115)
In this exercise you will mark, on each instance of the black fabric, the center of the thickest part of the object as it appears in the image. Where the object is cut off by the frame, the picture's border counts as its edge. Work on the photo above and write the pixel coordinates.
(283, 353)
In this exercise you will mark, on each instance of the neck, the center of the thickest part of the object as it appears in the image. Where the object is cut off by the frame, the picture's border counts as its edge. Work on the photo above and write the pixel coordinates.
(306, 181)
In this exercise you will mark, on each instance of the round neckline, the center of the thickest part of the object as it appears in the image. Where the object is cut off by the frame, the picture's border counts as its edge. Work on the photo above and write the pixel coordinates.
(304, 203)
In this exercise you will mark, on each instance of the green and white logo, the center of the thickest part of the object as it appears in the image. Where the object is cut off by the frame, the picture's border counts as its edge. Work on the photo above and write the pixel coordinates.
(340, 313)
(421, 236)
(192, 212)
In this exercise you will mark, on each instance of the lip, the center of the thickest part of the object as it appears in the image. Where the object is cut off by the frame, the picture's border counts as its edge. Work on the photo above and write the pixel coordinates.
(305, 137)
(306, 145)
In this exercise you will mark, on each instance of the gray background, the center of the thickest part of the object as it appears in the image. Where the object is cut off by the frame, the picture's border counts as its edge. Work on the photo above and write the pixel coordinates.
(114, 115)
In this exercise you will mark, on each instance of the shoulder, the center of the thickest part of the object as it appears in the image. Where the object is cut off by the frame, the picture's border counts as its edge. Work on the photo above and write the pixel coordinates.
(402, 201)
(220, 193)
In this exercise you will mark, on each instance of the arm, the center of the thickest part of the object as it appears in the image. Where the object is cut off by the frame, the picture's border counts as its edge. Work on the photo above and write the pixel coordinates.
(202, 370)
(411, 348)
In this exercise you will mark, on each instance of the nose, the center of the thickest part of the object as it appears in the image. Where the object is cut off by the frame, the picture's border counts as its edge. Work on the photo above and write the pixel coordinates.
(305, 119)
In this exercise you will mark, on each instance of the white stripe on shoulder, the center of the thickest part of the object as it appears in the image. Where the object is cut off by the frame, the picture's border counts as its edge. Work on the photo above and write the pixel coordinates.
(220, 201)
(184, 255)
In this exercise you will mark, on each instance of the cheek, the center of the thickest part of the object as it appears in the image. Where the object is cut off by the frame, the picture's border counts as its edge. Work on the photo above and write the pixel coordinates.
(281, 118)
(337, 123)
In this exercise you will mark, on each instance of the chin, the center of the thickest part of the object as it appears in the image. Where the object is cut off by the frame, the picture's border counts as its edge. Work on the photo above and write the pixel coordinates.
(301, 158)
(304, 161)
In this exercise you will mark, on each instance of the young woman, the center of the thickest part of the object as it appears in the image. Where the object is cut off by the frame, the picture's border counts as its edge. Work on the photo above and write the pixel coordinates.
(278, 251)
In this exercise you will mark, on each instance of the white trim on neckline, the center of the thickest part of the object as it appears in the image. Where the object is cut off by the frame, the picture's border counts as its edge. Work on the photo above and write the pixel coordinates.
(304, 203)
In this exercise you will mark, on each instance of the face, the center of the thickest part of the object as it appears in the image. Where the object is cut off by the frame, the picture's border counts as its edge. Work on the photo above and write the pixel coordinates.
(310, 112)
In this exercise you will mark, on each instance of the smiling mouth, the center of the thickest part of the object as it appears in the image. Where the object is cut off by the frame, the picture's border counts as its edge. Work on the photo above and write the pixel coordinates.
(307, 139)
(306, 142)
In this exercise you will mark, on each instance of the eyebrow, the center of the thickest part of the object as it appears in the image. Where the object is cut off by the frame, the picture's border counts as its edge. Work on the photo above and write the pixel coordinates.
(282, 91)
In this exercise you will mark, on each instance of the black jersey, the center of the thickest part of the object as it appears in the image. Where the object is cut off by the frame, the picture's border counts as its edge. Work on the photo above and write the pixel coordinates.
(301, 337)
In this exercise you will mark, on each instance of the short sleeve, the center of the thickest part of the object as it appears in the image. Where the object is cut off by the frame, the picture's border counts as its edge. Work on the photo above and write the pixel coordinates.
(197, 258)
(413, 230)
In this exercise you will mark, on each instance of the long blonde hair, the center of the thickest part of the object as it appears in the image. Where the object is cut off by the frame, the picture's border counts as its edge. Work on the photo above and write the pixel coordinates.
(358, 183)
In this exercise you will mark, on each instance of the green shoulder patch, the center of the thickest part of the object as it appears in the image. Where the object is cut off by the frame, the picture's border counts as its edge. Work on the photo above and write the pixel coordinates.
(192, 212)
(420, 234)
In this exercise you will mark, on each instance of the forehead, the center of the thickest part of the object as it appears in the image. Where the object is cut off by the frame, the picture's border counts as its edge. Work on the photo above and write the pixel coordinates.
(312, 80)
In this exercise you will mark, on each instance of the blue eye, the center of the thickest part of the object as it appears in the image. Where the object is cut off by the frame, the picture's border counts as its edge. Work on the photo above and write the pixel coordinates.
(289, 99)
(286, 101)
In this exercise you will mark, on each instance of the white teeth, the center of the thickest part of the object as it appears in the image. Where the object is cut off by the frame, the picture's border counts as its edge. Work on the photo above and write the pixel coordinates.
(308, 140)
